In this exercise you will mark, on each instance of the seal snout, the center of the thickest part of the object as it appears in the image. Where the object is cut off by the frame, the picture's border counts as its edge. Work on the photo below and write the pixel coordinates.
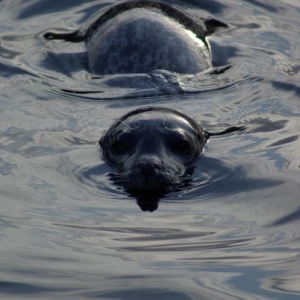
(148, 173)
(149, 166)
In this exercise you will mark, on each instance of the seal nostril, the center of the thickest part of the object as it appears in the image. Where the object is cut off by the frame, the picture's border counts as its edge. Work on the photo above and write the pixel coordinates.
(148, 168)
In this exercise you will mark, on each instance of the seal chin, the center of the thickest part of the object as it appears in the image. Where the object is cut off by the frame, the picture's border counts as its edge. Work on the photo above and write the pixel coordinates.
(159, 181)
(156, 181)
(150, 173)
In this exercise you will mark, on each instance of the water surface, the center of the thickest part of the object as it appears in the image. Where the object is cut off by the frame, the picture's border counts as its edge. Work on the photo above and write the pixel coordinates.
(67, 231)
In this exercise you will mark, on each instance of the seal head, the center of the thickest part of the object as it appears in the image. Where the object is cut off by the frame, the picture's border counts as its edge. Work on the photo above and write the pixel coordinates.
(153, 148)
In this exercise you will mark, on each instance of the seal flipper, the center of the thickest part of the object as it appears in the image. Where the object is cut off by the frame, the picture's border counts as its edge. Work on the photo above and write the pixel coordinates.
(75, 36)
(212, 25)
(226, 131)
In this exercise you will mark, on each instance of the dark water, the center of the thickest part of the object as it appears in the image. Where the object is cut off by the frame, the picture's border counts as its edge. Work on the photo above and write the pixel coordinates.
(68, 233)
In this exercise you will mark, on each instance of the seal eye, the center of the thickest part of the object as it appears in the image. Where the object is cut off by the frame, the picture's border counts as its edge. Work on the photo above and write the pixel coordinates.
(118, 148)
(182, 147)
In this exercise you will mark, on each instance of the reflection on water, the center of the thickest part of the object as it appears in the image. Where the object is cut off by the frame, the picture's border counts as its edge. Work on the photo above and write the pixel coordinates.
(67, 232)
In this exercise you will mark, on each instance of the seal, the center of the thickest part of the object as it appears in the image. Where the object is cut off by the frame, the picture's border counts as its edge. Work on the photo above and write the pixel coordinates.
(142, 36)
(153, 148)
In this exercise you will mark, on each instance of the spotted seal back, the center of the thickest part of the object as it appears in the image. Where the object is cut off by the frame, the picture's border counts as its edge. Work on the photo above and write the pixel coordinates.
(141, 40)
(142, 36)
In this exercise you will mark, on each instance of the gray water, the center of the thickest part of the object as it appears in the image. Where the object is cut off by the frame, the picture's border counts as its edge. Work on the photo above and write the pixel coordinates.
(67, 232)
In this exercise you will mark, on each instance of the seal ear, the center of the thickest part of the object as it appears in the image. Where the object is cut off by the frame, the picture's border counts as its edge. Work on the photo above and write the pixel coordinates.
(206, 135)
(101, 142)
